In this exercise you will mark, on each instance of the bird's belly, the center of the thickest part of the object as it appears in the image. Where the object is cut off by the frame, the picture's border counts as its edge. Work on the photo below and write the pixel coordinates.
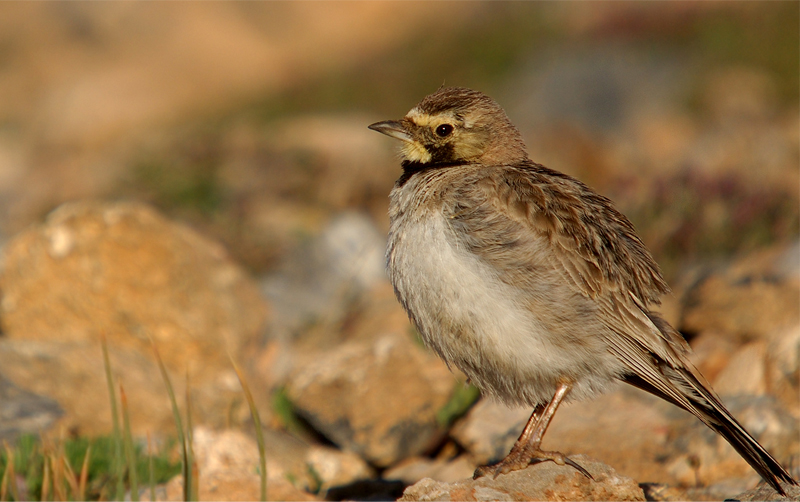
(483, 326)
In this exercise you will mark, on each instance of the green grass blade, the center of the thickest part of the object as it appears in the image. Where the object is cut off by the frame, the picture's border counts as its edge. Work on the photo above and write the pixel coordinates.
(4, 485)
(130, 452)
(262, 451)
(84, 477)
(151, 470)
(118, 462)
(194, 485)
(176, 414)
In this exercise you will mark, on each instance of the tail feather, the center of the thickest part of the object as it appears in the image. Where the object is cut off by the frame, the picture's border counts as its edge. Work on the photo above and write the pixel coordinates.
(703, 404)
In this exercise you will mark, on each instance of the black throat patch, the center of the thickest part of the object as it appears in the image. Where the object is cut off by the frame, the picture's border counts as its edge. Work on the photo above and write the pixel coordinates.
(411, 168)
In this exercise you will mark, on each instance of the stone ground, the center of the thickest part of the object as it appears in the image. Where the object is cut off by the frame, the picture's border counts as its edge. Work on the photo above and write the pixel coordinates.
(138, 203)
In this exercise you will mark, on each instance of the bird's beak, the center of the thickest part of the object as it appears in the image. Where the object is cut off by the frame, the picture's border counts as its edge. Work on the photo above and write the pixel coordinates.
(393, 129)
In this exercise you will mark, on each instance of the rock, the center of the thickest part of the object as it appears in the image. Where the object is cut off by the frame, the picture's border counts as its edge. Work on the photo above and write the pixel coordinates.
(228, 465)
(545, 481)
(332, 467)
(489, 429)
(745, 372)
(123, 271)
(378, 399)
(24, 412)
(414, 469)
(375, 312)
(783, 368)
(702, 457)
(750, 298)
(232, 486)
(765, 492)
(712, 352)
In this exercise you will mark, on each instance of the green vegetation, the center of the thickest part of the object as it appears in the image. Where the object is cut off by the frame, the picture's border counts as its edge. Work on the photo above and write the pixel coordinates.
(74, 468)
(462, 399)
(188, 466)
(262, 451)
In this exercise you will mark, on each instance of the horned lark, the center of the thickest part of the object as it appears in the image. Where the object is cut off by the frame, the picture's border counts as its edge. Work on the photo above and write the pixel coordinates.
(528, 281)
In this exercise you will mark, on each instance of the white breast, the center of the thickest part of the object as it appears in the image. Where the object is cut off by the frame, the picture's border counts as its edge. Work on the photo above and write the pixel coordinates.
(476, 322)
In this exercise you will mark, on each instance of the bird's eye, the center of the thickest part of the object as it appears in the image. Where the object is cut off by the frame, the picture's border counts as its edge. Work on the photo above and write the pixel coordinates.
(444, 130)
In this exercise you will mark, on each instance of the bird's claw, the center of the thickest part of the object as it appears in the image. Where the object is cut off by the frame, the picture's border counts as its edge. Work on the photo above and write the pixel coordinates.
(516, 460)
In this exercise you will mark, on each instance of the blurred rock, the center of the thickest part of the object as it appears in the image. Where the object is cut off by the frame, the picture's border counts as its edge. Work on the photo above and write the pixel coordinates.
(411, 470)
(317, 282)
(702, 457)
(745, 372)
(374, 313)
(224, 486)
(712, 351)
(489, 429)
(228, 467)
(332, 467)
(545, 481)
(783, 368)
(23, 412)
(378, 399)
(123, 271)
(749, 298)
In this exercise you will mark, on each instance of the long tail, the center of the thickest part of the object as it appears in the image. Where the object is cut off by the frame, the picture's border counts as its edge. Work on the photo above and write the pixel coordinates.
(701, 402)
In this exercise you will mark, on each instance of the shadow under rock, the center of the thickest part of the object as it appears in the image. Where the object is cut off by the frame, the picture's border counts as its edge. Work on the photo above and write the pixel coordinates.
(367, 489)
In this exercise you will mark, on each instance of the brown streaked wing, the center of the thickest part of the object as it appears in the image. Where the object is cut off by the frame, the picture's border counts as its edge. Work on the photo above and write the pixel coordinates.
(595, 243)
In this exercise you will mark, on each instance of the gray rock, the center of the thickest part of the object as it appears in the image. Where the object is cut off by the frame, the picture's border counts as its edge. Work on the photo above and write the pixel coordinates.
(23, 412)
(546, 481)
(316, 283)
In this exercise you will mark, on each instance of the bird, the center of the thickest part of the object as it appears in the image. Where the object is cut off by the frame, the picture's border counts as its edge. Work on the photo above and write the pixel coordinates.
(529, 282)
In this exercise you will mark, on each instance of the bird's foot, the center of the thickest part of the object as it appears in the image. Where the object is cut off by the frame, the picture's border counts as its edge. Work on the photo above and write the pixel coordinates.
(522, 458)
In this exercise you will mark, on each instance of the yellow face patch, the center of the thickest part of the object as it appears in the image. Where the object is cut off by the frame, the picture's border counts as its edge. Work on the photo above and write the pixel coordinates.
(465, 142)
(415, 152)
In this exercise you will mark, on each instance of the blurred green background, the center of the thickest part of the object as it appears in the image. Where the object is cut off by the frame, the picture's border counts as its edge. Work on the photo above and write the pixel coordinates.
(248, 120)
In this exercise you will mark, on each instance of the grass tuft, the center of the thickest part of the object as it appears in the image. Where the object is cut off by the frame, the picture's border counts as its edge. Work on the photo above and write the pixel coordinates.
(189, 471)
(130, 454)
(262, 451)
(118, 464)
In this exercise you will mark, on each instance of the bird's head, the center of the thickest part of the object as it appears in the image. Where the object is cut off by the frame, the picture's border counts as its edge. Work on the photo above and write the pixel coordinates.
(456, 125)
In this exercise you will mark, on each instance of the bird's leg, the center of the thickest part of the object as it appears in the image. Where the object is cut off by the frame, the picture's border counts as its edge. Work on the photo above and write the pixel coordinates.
(527, 449)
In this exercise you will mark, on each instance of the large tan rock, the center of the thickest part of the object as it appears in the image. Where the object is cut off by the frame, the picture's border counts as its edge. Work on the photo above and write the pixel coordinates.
(123, 271)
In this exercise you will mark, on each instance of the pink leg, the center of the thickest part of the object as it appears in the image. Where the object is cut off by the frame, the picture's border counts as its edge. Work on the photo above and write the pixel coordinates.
(527, 450)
